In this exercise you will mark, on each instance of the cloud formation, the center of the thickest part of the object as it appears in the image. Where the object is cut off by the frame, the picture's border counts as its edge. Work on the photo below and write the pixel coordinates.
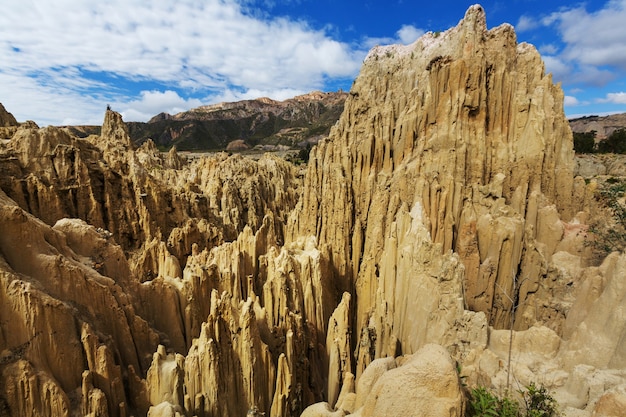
(594, 51)
(208, 47)
(596, 38)
(615, 98)
(406, 35)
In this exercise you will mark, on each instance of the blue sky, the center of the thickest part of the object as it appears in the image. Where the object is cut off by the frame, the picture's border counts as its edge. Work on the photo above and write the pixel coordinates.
(63, 61)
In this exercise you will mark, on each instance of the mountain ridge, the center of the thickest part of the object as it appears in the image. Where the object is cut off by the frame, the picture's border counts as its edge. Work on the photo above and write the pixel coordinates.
(249, 120)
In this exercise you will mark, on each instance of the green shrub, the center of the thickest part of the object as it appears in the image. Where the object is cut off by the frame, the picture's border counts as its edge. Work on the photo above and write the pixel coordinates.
(484, 403)
(536, 402)
(609, 234)
(585, 142)
(614, 143)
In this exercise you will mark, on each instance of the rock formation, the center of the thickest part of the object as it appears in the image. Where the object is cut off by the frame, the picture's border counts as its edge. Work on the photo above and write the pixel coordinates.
(8, 124)
(439, 227)
(6, 118)
(602, 125)
(247, 123)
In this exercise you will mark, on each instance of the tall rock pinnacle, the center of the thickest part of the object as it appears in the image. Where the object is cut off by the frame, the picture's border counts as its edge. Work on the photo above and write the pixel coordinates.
(461, 134)
(114, 130)
(6, 118)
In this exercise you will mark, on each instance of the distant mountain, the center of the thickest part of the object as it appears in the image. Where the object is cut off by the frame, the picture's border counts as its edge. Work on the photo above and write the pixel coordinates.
(262, 122)
(603, 125)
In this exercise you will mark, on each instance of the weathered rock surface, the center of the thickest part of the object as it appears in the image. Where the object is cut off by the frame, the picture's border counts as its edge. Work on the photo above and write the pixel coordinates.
(452, 183)
(602, 125)
(293, 122)
(6, 118)
(8, 124)
(439, 225)
(84, 314)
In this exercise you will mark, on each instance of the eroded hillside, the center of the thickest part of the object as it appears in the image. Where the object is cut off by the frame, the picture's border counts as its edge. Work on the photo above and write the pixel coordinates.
(439, 227)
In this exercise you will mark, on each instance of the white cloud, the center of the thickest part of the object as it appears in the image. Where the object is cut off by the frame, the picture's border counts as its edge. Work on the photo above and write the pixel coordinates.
(526, 23)
(208, 46)
(556, 66)
(154, 102)
(230, 95)
(548, 49)
(409, 34)
(571, 101)
(406, 35)
(594, 39)
(615, 98)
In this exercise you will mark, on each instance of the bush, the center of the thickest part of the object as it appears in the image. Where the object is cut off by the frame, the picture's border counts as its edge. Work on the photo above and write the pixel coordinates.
(615, 143)
(609, 234)
(585, 142)
(484, 403)
(537, 402)
(304, 153)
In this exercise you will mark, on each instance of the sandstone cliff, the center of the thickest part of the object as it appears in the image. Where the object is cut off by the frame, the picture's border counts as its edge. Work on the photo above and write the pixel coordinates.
(456, 212)
(467, 130)
(86, 301)
(8, 124)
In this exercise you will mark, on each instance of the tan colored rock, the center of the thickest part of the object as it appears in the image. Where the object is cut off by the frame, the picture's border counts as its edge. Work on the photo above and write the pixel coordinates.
(611, 404)
(424, 385)
(370, 376)
(482, 173)
(165, 378)
(338, 348)
(321, 410)
(598, 339)
(237, 145)
(229, 357)
(6, 118)
(165, 410)
(30, 393)
(454, 216)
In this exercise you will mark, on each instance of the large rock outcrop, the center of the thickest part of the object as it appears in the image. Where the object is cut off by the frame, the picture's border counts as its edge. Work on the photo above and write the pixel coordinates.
(465, 128)
(106, 253)
(6, 118)
(436, 229)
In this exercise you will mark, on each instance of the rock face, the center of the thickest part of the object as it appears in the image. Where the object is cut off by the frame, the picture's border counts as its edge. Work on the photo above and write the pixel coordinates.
(467, 131)
(602, 125)
(6, 118)
(292, 122)
(85, 302)
(8, 124)
(439, 227)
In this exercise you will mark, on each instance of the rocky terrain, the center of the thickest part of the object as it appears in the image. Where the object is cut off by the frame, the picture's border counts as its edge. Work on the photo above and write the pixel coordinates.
(263, 124)
(602, 125)
(435, 242)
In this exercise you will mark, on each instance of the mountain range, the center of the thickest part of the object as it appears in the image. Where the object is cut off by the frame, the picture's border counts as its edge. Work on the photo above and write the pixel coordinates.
(263, 123)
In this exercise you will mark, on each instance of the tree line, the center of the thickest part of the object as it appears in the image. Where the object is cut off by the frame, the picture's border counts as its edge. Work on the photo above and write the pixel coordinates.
(585, 142)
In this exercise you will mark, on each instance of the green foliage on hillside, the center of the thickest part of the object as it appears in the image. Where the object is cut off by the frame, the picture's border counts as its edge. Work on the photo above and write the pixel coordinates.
(608, 233)
(615, 143)
(585, 142)
(535, 401)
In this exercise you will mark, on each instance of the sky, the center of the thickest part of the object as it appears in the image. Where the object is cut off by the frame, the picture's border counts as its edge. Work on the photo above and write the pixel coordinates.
(63, 61)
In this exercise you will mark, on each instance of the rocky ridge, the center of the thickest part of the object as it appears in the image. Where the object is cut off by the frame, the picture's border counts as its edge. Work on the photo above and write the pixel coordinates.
(440, 226)
(262, 123)
(602, 125)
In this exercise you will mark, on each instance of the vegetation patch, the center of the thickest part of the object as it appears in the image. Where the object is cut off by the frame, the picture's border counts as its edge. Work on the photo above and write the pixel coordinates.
(533, 401)
(608, 233)
(585, 142)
